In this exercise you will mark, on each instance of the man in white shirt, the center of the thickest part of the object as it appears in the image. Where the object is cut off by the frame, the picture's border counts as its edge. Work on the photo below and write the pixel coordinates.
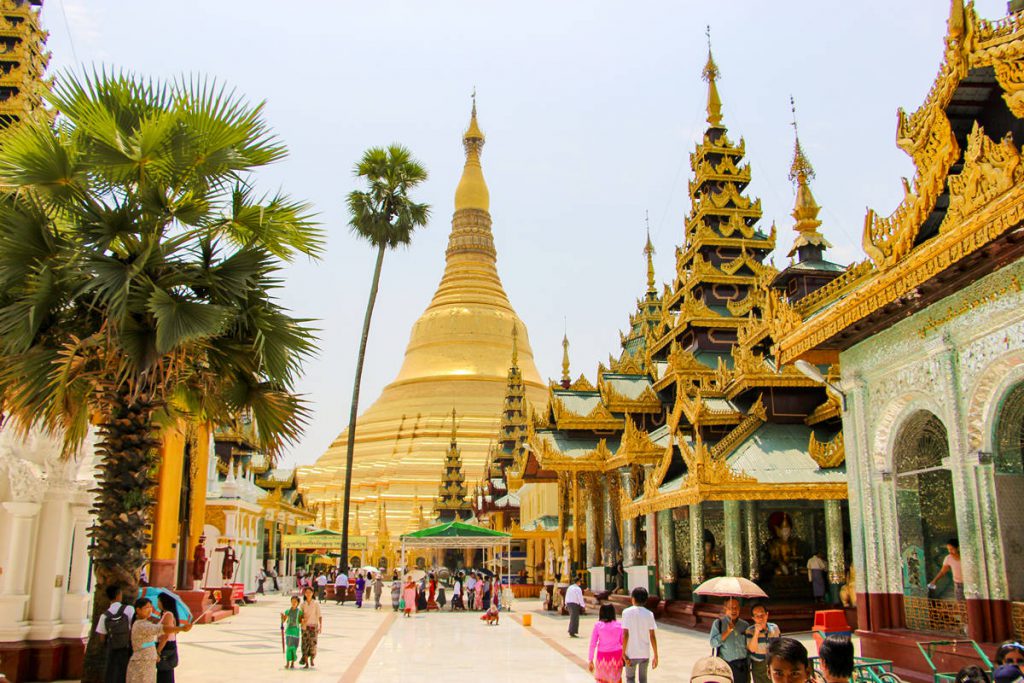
(951, 565)
(117, 654)
(340, 588)
(638, 639)
(321, 586)
(574, 603)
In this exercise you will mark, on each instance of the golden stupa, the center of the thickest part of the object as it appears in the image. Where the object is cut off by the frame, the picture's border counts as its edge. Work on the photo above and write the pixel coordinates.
(458, 358)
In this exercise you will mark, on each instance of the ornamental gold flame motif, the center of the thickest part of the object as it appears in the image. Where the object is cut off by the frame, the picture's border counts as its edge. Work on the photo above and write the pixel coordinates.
(458, 357)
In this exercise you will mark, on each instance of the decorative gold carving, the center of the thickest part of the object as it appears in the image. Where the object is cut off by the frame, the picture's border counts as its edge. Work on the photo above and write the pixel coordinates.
(582, 384)
(827, 454)
(755, 418)
(1010, 75)
(989, 170)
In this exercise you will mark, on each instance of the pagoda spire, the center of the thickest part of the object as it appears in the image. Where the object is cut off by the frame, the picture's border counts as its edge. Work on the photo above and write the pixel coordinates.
(356, 531)
(472, 192)
(649, 253)
(711, 74)
(451, 502)
(515, 346)
(566, 378)
(809, 243)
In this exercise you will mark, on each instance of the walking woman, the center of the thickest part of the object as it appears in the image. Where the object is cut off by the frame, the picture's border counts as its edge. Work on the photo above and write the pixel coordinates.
(606, 644)
(432, 592)
(291, 627)
(478, 598)
(360, 588)
(169, 653)
(396, 591)
(457, 592)
(145, 636)
(409, 596)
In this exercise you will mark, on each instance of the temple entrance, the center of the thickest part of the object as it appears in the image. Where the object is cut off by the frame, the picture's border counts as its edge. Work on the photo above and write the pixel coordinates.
(1008, 461)
(926, 519)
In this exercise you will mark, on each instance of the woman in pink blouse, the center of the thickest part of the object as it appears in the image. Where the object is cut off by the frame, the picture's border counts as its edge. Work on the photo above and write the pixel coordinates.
(606, 643)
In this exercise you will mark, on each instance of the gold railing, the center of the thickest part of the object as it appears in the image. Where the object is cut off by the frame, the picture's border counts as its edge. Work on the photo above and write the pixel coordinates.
(1017, 619)
(944, 616)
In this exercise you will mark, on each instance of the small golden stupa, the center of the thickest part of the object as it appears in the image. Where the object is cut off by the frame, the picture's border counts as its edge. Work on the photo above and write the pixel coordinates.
(458, 357)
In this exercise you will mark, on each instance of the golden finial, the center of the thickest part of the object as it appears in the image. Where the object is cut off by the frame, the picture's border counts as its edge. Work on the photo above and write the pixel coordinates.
(472, 192)
(454, 428)
(566, 379)
(801, 171)
(805, 209)
(711, 74)
(649, 252)
(515, 346)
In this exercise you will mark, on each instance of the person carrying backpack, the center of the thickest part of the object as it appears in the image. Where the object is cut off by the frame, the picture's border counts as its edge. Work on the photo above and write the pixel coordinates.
(115, 630)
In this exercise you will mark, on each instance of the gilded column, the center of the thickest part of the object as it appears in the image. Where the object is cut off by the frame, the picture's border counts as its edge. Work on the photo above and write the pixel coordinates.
(650, 527)
(629, 557)
(750, 533)
(733, 538)
(834, 542)
(166, 516)
(696, 544)
(666, 554)
(593, 503)
(610, 537)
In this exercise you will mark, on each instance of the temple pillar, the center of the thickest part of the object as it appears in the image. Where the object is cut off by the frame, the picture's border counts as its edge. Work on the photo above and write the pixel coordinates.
(49, 574)
(74, 612)
(750, 536)
(834, 548)
(696, 546)
(666, 554)
(166, 517)
(733, 538)
(629, 557)
(20, 554)
(610, 540)
(199, 471)
(593, 512)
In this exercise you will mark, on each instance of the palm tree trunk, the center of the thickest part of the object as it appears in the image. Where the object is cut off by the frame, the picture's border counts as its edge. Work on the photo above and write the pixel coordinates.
(127, 450)
(354, 412)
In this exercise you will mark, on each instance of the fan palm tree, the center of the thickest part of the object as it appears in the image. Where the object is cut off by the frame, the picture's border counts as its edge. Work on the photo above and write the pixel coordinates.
(137, 276)
(385, 216)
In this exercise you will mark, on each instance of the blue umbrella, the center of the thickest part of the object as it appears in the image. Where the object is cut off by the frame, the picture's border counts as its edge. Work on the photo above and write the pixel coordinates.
(151, 593)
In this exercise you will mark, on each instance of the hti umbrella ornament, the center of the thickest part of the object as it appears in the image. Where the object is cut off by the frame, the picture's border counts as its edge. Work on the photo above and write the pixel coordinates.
(730, 587)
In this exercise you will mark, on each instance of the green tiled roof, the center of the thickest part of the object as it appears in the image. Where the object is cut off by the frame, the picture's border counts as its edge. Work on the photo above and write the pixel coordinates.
(778, 454)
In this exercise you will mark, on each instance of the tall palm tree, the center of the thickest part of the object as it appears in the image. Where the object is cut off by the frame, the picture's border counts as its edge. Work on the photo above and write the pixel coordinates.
(137, 276)
(385, 216)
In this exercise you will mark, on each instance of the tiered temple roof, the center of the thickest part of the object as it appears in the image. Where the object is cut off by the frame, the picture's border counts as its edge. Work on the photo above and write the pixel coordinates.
(695, 408)
(23, 59)
(451, 502)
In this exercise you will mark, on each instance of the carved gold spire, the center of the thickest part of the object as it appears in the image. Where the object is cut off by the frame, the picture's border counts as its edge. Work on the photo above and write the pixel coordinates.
(566, 377)
(356, 531)
(451, 500)
(711, 74)
(805, 210)
(22, 61)
(649, 253)
(472, 191)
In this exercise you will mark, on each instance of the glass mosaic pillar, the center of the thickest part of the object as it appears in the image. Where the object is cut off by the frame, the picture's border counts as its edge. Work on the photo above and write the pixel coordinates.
(834, 541)
(593, 503)
(666, 554)
(733, 538)
(750, 534)
(696, 546)
(610, 540)
(628, 525)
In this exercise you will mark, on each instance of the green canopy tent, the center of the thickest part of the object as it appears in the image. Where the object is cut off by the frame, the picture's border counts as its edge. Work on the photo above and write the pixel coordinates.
(461, 535)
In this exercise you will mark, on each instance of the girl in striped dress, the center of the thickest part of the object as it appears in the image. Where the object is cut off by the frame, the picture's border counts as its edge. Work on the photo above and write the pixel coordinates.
(291, 624)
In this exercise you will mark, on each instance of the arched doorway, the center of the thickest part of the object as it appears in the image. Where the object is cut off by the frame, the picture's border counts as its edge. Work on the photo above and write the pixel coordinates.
(1008, 461)
(926, 520)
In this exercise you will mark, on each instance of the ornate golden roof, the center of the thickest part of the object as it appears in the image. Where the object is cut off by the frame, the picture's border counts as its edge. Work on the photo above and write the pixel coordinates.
(472, 192)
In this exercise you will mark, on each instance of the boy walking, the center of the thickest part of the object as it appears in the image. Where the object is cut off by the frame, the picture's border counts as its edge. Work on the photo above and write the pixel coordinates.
(639, 642)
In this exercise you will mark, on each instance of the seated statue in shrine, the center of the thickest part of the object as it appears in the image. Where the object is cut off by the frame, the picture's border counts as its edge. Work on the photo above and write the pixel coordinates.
(712, 558)
(783, 549)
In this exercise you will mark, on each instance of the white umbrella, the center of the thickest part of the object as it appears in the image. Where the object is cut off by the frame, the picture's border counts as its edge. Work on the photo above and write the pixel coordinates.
(416, 574)
(730, 587)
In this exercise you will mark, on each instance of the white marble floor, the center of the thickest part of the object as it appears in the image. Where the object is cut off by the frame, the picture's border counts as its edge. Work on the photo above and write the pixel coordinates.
(378, 647)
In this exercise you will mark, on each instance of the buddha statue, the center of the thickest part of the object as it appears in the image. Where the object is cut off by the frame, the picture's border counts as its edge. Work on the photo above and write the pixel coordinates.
(783, 549)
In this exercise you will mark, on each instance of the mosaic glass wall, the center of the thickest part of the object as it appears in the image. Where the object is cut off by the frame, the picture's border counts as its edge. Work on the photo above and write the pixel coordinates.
(1008, 459)
(925, 509)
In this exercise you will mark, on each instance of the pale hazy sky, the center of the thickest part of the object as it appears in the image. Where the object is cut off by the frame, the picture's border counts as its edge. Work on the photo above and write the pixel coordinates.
(590, 110)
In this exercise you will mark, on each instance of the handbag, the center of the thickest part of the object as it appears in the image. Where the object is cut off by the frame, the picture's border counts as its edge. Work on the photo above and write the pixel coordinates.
(401, 604)
(168, 659)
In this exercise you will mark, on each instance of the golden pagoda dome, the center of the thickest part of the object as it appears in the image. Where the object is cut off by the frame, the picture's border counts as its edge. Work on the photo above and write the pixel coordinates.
(457, 357)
